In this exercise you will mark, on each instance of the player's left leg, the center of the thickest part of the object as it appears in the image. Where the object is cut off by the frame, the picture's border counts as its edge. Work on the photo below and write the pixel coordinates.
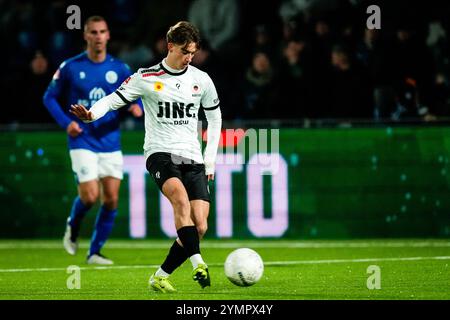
(110, 172)
(196, 183)
(177, 255)
(199, 214)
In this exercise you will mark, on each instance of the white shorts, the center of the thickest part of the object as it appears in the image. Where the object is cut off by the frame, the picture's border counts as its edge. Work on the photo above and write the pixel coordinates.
(88, 165)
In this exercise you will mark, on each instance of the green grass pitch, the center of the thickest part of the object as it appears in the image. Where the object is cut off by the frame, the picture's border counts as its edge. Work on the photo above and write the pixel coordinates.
(294, 270)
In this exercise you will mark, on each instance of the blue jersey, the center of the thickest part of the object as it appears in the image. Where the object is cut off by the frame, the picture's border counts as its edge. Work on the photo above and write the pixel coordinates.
(79, 80)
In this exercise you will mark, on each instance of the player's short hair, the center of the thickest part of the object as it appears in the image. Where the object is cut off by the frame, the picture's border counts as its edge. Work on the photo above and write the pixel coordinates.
(93, 19)
(183, 33)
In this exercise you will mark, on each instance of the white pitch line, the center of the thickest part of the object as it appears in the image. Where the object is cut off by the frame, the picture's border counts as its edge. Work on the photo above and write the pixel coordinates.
(268, 263)
(230, 245)
(274, 263)
(81, 268)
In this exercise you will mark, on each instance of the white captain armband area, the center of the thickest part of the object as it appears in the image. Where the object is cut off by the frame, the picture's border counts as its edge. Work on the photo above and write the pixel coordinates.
(214, 118)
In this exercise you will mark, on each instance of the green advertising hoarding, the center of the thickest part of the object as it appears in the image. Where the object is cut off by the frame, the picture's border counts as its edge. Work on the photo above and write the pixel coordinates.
(304, 184)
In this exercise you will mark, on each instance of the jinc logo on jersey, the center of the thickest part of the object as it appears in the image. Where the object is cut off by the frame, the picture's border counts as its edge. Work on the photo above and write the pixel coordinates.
(175, 110)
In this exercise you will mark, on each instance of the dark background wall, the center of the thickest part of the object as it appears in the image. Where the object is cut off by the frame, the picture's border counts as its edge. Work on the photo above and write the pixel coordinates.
(286, 59)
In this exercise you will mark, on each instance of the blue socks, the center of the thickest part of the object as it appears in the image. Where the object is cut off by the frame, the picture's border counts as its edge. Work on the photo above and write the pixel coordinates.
(103, 224)
(77, 214)
(103, 228)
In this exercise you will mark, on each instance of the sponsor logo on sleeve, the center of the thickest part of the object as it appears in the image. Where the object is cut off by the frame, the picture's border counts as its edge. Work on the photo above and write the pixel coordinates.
(158, 86)
(56, 75)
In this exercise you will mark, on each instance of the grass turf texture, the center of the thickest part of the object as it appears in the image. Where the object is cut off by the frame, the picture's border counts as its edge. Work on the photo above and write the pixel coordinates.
(294, 270)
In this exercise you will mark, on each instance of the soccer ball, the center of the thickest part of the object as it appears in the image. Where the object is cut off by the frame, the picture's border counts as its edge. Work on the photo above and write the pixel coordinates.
(244, 267)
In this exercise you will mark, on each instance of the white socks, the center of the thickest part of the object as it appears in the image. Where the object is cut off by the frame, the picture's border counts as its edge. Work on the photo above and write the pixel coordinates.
(196, 259)
(161, 273)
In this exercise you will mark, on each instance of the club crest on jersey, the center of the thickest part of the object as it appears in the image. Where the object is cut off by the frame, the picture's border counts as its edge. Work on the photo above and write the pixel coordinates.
(82, 75)
(196, 90)
(158, 86)
(111, 76)
(84, 170)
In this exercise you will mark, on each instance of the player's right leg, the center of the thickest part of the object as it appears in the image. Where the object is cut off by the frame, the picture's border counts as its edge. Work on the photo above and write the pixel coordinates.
(174, 190)
(105, 220)
(165, 173)
(160, 168)
(84, 167)
(175, 258)
(161, 283)
(187, 231)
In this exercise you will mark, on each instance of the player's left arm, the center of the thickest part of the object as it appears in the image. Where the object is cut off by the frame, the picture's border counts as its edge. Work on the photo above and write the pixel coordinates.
(210, 103)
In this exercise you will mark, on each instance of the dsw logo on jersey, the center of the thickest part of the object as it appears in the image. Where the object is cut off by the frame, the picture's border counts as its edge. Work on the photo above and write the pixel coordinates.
(94, 95)
(176, 110)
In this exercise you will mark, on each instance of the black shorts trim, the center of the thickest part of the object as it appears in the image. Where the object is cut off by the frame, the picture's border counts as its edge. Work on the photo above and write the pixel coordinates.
(163, 166)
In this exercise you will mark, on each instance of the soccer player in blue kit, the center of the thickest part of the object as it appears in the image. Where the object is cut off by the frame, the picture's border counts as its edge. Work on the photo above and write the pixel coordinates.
(95, 149)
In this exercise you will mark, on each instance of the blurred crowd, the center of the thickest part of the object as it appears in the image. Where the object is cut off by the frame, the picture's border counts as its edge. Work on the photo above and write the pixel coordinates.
(275, 59)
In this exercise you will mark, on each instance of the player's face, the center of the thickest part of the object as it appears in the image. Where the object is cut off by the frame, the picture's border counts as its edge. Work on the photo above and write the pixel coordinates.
(96, 35)
(181, 56)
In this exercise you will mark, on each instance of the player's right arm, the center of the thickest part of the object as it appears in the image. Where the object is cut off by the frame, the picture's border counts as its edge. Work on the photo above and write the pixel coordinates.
(128, 91)
(50, 100)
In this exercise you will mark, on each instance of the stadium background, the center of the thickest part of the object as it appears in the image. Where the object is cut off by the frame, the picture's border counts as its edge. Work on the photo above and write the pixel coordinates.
(362, 115)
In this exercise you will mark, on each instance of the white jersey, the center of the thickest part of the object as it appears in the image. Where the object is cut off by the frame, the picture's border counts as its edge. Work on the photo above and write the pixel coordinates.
(171, 100)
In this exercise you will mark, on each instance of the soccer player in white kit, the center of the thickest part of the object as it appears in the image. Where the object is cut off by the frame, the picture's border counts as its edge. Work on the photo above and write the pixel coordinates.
(172, 93)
